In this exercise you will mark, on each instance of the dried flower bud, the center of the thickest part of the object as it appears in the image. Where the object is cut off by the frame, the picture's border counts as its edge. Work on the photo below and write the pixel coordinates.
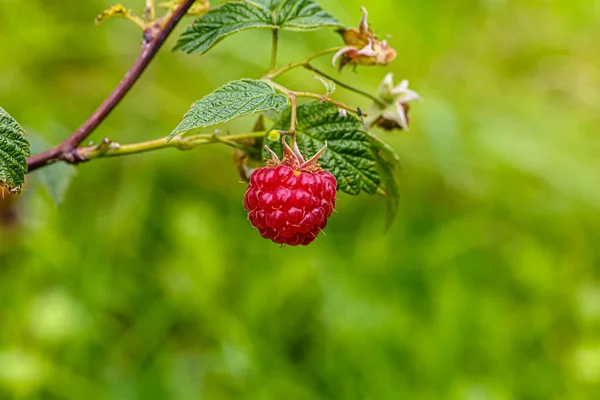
(363, 47)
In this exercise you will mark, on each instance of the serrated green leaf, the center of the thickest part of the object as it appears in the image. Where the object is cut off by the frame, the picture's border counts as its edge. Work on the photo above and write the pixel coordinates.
(55, 178)
(298, 15)
(14, 150)
(388, 164)
(329, 85)
(236, 16)
(221, 22)
(349, 154)
(234, 99)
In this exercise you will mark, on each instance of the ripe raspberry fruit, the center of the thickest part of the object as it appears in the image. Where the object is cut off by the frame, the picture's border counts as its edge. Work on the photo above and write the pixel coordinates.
(289, 201)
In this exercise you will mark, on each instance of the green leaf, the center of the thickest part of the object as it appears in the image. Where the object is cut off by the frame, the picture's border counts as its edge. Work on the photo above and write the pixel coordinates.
(221, 22)
(298, 15)
(55, 178)
(329, 85)
(14, 150)
(388, 164)
(236, 16)
(234, 99)
(349, 155)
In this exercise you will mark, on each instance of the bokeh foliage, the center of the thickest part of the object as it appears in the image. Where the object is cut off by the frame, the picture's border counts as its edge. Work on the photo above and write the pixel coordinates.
(147, 282)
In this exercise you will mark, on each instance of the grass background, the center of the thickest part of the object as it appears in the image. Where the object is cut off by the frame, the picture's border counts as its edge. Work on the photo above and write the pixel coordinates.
(147, 282)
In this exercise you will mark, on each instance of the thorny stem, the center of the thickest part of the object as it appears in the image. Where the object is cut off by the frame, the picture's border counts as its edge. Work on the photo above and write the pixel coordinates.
(290, 66)
(274, 48)
(112, 149)
(67, 150)
(309, 67)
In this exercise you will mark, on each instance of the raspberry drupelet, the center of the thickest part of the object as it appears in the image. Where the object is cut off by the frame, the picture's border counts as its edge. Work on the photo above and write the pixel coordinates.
(289, 201)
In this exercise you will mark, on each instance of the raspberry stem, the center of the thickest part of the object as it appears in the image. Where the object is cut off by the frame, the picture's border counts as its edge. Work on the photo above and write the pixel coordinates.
(274, 48)
(112, 149)
(309, 67)
(149, 12)
(306, 64)
(289, 67)
(309, 95)
(292, 97)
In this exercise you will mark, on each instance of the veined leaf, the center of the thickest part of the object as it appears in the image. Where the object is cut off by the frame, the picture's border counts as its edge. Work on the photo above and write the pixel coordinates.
(14, 150)
(221, 22)
(349, 155)
(234, 99)
(236, 16)
(298, 15)
(329, 85)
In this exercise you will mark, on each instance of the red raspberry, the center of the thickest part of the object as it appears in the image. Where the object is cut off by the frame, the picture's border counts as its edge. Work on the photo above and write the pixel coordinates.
(289, 201)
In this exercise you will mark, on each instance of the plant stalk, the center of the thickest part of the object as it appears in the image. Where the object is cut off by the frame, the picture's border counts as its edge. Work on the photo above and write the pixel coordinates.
(290, 66)
(309, 67)
(274, 48)
(315, 96)
(113, 149)
(327, 99)
(149, 13)
(68, 149)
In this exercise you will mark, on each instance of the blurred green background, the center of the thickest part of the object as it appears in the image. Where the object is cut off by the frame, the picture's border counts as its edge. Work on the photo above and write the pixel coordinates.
(148, 282)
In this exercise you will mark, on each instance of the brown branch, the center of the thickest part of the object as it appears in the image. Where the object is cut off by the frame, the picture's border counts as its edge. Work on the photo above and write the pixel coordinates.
(67, 150)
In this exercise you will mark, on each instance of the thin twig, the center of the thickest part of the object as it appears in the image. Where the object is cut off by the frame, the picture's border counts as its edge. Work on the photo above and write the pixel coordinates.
(290, 66)
(149, 12)
(309, 95)
(329, 100)
(274, 48)
(67, 150)
(292, 97)
(309, 67)
(112, 149)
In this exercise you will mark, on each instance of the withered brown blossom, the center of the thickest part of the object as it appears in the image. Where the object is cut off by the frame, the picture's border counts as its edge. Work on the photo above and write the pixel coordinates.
(363, 47)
